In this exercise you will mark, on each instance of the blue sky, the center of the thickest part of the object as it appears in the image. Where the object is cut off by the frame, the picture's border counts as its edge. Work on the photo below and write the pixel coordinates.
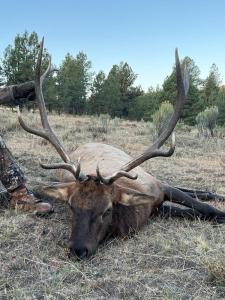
(143, 33)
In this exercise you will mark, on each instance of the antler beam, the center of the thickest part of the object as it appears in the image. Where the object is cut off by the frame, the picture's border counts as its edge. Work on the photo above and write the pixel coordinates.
(47, 132)
(154, 150)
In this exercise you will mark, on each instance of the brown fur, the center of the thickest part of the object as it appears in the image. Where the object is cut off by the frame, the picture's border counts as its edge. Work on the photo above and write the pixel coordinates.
(130, 202)
(100, 211)
(93, 203)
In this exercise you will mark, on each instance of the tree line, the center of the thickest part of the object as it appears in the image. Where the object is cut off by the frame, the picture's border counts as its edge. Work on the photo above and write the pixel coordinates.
(76, 89)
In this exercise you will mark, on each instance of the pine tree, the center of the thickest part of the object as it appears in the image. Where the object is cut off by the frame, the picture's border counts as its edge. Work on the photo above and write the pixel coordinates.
(112, 93)
(221, 105)
(193, 104)
(144, 106)
(96, 101)
(19, 59)
(18, 64)
(211, 87)
(74, 78)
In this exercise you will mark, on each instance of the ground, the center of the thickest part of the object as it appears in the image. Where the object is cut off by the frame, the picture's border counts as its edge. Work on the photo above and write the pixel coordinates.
(167, 259)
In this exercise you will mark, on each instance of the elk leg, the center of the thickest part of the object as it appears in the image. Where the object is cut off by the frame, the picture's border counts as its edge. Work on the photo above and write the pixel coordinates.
(169, 210)
(202, 195)
(207, 211)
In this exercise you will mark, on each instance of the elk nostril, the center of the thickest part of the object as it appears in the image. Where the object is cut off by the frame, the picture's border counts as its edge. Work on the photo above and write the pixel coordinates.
(80, 253)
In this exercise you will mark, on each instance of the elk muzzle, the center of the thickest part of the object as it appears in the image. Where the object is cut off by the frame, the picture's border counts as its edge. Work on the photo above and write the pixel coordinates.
(79, 251)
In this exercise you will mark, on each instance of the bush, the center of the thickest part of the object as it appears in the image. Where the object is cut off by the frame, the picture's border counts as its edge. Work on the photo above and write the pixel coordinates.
(104, 122)
(162, 117)
(116, 122)
(99, 125)
(206, 120)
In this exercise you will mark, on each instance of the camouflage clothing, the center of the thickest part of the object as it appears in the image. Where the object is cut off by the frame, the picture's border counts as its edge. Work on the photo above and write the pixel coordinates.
(11, 175)
(17, 94)
(6, 95)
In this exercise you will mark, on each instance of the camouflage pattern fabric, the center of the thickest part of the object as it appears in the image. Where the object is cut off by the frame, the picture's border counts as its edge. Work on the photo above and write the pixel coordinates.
(11, 175)
(6, 95)
(17, 94)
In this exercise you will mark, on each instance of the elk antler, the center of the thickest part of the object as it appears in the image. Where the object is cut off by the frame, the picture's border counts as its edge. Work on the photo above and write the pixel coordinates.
(47, 132)
(154, 150)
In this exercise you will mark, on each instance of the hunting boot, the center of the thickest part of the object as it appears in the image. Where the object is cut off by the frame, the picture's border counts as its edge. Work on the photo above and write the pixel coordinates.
(23, 199)
(13, 180)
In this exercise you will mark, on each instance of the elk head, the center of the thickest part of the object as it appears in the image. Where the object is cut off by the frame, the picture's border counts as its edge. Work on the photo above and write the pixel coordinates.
(92, 197)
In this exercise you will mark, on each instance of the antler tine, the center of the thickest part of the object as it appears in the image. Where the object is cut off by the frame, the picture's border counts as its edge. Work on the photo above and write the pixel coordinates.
(75, 170)
(159, 152)
(154, 150)
(48, 71)
(182, 91)
(110, 179)
(47, 132)
(27, 128)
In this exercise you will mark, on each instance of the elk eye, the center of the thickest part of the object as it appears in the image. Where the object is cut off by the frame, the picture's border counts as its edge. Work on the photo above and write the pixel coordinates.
(107, 212)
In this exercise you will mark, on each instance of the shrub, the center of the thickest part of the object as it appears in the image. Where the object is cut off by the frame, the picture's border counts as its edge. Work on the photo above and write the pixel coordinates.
(206, 120)
(150, 127)
(99, 125)
(104, 120)
(116, 122)
(162, 117)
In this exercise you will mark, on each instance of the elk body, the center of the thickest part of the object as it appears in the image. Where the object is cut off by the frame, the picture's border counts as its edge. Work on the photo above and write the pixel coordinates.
(109, 194)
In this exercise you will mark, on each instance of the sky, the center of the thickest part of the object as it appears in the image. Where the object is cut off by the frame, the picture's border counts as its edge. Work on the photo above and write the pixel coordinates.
(143, 33)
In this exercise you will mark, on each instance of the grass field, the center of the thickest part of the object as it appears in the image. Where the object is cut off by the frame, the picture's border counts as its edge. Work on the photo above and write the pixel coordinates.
(167, 259)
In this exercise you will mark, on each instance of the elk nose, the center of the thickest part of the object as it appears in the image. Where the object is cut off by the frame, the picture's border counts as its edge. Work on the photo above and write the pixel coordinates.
(80, 253)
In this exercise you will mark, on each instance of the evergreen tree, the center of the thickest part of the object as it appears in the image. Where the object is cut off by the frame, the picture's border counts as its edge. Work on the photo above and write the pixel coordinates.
(128, 92)
(145, 105)
(1, 75)
(96, 102)
(74, 78)
(115, 94)
(211, 87)
(112, 93)
(51, 94)
(221, 105)
(193, 104)
(19, 61)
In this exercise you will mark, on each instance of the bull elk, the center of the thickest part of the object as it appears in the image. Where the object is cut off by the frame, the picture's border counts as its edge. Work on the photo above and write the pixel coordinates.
(107, 199)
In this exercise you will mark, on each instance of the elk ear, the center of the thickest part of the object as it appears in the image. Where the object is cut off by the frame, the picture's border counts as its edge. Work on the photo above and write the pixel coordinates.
(61, 191)
(130, 197)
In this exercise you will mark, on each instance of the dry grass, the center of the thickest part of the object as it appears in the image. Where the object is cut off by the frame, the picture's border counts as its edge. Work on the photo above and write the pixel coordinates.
(168, 259)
